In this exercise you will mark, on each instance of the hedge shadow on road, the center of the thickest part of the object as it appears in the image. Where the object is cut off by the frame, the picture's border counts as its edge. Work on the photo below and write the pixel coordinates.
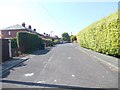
(41, 52)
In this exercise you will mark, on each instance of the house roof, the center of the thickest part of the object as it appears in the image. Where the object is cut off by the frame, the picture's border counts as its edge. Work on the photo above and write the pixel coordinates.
(17, 27)
(14, 27)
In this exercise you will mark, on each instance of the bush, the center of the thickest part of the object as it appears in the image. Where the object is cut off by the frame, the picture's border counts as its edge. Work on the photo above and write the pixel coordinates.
(48, 42)
(102, 36)
(56, 41)
(28, 42)
(14, 43)
(73, 38)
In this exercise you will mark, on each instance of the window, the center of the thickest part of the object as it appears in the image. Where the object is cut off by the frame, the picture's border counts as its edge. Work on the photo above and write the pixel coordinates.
(9, 33)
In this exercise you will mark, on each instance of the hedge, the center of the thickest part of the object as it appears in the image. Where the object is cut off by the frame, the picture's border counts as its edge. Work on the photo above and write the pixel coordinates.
(48, 42)
(102, 36)
(28, 42)
(56, 41)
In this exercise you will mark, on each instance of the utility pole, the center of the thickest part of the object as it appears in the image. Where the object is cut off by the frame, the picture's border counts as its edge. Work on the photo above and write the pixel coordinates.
(51, 33)
(71, 33)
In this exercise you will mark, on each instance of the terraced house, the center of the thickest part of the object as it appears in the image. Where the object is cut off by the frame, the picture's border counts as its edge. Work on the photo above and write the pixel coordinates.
(10, 32)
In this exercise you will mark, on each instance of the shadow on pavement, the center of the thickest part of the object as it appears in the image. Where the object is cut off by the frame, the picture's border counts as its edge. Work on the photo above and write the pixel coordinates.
(15, 62)
(6, 70)
(42, 52)
(51, 85)
(6, 74)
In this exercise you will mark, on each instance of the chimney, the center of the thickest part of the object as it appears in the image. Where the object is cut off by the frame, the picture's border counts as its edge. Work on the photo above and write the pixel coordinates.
(34, 30)
(29, 27)
(23, 24)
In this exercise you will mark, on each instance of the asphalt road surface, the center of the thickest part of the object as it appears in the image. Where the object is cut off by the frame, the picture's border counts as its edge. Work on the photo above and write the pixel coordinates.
(63, 66)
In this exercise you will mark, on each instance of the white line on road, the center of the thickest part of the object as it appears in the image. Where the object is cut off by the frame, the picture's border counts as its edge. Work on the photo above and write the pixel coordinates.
(29, 74)
(55, 80)
(69, 58)
(107, 63)
(41, 82)
(47, 63)
(44, 69)
(73, 75)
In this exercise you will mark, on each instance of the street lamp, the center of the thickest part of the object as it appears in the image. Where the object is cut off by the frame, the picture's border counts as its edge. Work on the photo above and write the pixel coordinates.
(51, 33)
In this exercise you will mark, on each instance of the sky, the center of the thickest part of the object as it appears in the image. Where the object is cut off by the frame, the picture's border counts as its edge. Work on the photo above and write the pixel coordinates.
(56, 16)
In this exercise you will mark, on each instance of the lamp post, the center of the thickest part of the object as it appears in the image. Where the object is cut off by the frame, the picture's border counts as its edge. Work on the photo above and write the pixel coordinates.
(51, 33)
(71, 33)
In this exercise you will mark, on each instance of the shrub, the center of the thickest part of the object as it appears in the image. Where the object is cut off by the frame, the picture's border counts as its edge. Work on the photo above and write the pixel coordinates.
(73, 38)
(56, 41)
(102, 36)
(48, 42)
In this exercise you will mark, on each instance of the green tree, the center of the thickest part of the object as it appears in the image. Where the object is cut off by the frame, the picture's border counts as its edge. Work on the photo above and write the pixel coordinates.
(65, 36)
(73, 38)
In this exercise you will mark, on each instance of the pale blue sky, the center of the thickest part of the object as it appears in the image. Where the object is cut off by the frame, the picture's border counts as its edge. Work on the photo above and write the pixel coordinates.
(58, 17)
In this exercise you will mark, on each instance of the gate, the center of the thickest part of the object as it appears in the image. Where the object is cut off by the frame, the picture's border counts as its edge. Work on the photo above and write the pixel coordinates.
(4, 50)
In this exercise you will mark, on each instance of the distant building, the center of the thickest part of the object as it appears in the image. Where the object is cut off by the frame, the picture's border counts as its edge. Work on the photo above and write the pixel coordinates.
(56, 37)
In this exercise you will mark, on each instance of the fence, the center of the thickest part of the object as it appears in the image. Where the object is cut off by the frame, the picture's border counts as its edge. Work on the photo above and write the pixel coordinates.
(4, 49)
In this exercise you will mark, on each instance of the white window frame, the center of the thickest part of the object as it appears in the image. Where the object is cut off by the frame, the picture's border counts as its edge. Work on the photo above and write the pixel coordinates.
(9, 33)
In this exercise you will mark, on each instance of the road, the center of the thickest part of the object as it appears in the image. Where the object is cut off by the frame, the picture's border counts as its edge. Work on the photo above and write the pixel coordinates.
(63, 66)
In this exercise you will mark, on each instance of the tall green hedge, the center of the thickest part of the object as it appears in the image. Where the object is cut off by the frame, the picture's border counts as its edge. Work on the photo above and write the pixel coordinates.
(28, 42)
(102, 36)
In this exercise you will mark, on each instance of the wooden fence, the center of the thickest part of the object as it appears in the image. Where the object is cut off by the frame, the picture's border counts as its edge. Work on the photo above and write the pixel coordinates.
(4, 50)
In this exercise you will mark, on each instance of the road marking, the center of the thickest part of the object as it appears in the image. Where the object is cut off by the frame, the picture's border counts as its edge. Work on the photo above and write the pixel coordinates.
(47, 63)
(55, 80)
(29, 74)
(44, 67)
(112, 67)
(73, 75)
(68, 57)
(41, 82)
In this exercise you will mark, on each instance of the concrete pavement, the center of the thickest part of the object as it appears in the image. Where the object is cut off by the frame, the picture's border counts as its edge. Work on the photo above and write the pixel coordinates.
(64, 65)
(10, 64)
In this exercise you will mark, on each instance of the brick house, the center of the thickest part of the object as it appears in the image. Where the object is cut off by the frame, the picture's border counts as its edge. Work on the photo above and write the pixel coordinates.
(10, 32)
(56, 37)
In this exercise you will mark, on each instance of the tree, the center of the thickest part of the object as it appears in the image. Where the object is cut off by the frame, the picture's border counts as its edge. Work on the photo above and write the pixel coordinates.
(73, 38)
(65, 36)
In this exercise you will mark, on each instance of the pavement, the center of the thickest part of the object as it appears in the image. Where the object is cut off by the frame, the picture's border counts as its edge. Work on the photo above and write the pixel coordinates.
(64, 65)
(9, 64)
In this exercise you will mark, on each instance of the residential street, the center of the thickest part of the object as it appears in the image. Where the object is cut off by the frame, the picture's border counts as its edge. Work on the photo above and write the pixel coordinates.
(63, 65)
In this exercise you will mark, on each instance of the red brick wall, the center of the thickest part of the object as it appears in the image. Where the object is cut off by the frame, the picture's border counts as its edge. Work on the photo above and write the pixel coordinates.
(12, 35)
